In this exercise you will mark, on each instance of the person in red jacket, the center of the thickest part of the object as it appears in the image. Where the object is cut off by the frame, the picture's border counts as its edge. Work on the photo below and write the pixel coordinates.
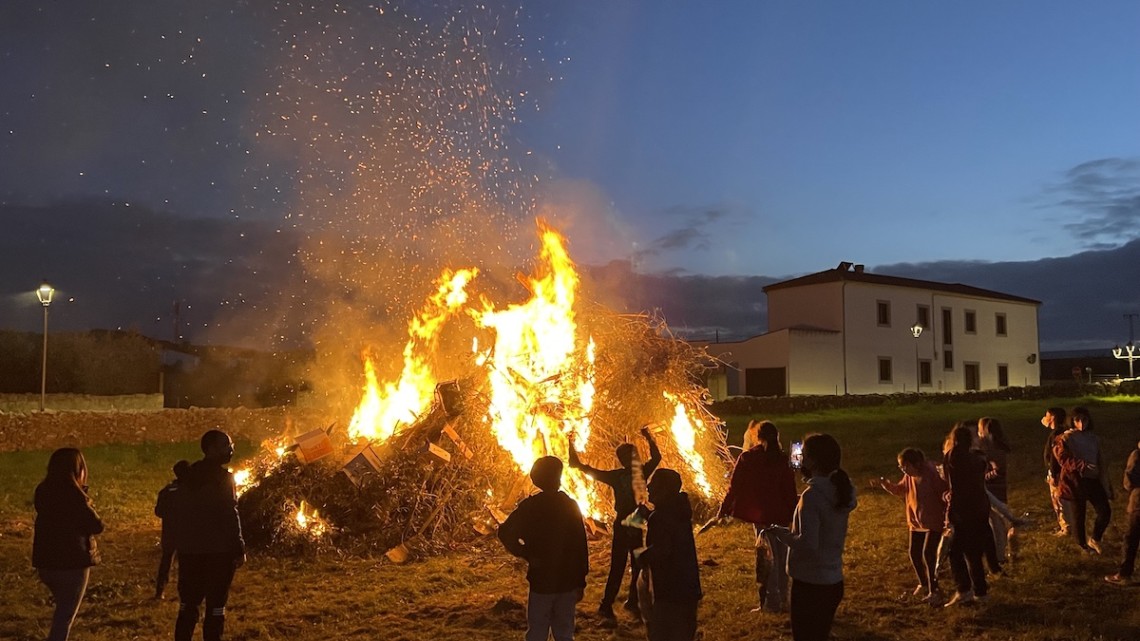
(63, 546)
(922, 488)
(763, 492)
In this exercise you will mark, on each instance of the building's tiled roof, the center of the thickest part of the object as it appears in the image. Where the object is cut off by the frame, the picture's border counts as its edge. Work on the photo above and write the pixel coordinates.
(838, 275)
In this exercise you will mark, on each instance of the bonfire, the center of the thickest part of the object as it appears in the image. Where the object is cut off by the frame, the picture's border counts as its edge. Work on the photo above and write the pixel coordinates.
(428, 462)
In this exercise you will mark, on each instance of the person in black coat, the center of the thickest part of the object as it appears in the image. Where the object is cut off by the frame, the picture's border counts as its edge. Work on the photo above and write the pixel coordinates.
(208, 539)
(625, 539)
(165, 508)
(63, 547)
(546, 529)
(671, 557)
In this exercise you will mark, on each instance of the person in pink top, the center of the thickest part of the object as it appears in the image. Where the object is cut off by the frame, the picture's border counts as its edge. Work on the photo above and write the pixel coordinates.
(923, 489)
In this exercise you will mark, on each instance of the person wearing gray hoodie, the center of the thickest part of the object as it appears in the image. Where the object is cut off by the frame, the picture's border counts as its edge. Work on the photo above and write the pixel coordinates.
(816, 539)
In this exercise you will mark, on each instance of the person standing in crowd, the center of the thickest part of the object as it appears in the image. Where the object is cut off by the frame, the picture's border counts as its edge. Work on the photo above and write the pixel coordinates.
(164, 509)
(626, 539)
(546, 530)
(923, 489)
(670, 556)
(208, 539)
(1132, 536)
(816, 539)
(967, 515)
(1082, 478)
(996, 448)
(63, 544)
(762, 492)
(1054, 420)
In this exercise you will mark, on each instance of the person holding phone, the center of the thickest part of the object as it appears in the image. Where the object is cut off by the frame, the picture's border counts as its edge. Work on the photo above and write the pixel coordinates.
(817, 538)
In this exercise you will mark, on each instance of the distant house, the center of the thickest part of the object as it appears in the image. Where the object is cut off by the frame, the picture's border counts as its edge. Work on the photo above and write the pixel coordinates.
(848, 331)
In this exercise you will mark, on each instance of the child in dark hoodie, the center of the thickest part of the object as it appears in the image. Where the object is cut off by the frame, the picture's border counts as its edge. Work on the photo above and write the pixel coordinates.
(165, 508)
(671, 557)
(547, 530)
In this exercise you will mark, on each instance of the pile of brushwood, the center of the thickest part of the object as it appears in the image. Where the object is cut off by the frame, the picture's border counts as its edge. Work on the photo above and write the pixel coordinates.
(428, 488)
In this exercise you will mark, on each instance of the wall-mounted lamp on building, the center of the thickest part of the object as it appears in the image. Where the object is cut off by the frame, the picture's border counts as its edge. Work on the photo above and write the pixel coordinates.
(1128, 353)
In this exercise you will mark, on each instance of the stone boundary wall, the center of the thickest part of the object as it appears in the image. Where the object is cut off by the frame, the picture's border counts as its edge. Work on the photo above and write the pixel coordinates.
(87, 402)
(753, 405)
(50, 430)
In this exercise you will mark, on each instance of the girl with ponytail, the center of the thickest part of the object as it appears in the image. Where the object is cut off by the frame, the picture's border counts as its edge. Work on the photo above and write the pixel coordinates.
(816, 539)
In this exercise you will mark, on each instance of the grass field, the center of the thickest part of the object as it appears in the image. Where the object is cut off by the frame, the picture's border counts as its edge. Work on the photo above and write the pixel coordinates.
(1050, 591)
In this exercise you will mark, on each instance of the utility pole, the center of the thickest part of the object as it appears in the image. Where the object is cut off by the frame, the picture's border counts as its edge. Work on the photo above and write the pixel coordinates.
(1130, 318)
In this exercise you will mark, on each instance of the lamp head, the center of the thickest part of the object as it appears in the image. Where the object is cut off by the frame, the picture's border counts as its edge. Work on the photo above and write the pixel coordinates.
(44, 293)
(916, 330)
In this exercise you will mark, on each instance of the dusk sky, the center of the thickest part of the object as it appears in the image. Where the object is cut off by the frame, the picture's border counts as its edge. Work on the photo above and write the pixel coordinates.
(748, 139)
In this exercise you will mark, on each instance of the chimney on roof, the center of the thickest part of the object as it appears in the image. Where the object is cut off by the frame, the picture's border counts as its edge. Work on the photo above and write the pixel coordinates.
(858, 269)
(843, 267)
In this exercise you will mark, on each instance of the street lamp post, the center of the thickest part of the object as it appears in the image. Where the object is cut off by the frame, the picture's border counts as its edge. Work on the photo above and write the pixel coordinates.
(916, 331)
(44, 293)
(1129, 354)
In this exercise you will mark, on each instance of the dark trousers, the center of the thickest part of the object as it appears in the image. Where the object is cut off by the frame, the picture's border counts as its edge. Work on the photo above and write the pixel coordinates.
(673, 621)
(1090, 491)
(203, 577)
(813, 609)
(67, 588)
(163, 576)
(967, 546)
(625, 541)
(924, 557)
(1131, 542)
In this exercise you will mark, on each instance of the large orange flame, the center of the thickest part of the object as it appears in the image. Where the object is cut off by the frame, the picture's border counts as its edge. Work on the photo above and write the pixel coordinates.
(539, 372)
(384, 409)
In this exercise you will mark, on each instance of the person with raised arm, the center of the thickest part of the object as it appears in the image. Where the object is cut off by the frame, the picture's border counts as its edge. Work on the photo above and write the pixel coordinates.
(626, 539)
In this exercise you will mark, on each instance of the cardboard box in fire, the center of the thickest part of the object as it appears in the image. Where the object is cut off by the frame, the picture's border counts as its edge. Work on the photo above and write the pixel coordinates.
(314, 445)
(363, 461)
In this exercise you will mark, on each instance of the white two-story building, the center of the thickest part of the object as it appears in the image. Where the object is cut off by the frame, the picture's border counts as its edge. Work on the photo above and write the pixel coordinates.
(848, 331)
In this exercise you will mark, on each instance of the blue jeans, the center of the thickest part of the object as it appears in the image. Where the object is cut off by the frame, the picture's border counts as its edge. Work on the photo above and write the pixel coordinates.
(67, 588)
(548, 614)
